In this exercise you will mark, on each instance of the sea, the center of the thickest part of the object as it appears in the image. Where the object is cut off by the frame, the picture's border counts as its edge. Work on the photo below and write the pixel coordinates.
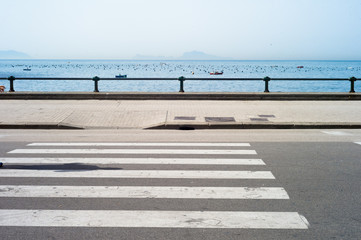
(175, 69)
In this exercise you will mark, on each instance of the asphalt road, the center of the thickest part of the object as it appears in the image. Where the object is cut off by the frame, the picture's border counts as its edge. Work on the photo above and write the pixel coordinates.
(315, 176)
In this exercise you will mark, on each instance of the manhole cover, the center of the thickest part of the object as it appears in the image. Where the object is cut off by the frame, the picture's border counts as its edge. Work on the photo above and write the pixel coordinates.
(184, 118)
(220, 119)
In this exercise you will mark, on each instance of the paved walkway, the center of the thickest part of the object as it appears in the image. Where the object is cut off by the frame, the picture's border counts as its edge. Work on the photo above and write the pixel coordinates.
(120, 114)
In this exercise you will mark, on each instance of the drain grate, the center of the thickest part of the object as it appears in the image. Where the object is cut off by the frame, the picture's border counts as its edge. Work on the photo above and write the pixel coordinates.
(219, 119)
(259, 119)
(184, 118)
(266, 116)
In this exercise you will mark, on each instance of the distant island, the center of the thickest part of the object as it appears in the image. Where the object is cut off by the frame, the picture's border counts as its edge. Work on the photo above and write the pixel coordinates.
(196, 55)
(193, 55)
(11, 54)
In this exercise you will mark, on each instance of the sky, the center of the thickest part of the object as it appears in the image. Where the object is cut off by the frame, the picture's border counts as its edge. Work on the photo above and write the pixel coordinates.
(237, 29)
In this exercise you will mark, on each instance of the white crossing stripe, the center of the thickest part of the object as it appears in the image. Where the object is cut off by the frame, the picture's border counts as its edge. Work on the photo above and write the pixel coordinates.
(143, 192)
(75, 144)
(153, 219)
(202, 161)
(358, 143)
(137, 174)
(132, 151)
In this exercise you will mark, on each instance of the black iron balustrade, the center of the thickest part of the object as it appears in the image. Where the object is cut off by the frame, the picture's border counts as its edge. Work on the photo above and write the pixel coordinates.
(182, 79)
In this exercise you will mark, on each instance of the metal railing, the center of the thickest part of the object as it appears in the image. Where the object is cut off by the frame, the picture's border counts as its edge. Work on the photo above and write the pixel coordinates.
(182, 79)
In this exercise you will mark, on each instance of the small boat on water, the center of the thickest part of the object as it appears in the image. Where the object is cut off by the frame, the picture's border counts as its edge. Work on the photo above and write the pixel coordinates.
(120, 76)
(299, 66)
(216, 73)
(27, 69)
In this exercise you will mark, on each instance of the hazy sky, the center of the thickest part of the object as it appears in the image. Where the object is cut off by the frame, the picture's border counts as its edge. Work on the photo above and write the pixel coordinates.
(240, 29)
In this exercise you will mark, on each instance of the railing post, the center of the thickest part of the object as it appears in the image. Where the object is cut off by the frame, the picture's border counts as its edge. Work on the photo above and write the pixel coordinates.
(181, 85)
(96, 80)
(11, 79)
(266, 80)
(352, 80)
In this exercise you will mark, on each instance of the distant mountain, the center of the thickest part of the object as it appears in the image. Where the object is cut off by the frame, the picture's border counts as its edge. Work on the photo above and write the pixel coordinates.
(196, 55)
(148, 57)
(11, 54)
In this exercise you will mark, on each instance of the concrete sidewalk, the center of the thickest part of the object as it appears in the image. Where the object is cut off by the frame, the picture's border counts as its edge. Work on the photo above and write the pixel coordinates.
(176, 114)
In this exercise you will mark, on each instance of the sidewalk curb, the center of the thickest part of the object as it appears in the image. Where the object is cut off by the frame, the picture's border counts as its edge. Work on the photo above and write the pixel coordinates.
(299, 125)
(284, 96)
(38, 126)
(209, 126)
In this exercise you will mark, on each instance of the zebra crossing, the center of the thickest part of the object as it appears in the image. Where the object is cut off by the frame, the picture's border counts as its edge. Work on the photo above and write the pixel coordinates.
(172, 155)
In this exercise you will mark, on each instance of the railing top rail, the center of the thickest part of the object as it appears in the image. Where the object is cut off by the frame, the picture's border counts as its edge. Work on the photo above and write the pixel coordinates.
(192, 79)
(91, 78)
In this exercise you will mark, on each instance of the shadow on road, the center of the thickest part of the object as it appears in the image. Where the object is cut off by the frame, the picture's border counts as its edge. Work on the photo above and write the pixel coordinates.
(61, 167)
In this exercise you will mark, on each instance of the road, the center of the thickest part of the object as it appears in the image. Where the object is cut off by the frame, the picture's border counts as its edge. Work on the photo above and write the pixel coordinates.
(220, 184)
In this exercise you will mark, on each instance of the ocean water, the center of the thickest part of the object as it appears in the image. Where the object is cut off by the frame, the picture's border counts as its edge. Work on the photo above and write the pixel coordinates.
(175, 69)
